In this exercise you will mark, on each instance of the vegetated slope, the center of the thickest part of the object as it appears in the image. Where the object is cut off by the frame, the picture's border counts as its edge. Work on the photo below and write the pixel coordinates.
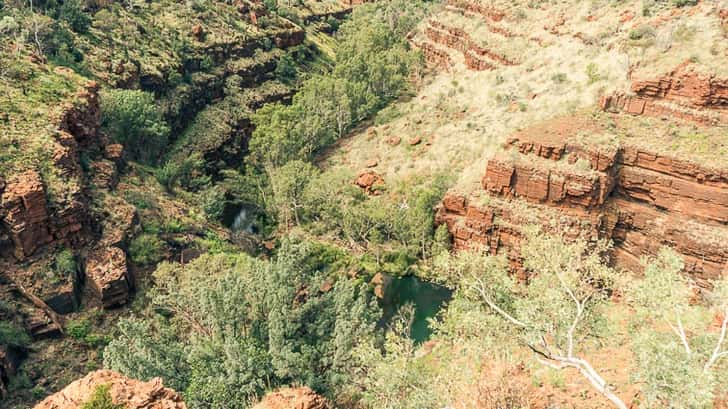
(596, 120)
(81, 220)
(636, 88)
(592, 120)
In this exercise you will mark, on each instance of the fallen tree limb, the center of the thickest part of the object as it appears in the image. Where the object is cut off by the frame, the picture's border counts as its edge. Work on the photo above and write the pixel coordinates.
(35, 300)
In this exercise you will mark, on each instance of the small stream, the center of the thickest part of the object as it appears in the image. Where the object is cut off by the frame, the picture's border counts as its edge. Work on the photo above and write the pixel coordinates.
(427, 298)
(240, 219)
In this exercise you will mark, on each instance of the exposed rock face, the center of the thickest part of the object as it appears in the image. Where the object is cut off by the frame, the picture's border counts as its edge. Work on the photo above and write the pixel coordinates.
(434, 56)
(108, 276)
(476, 57)
(640, 200)
(370, 181)
(293, 398)
(131, 393)
(27, 217)
(24, 213)
(683, 93)
(104, 174)
(84, 118)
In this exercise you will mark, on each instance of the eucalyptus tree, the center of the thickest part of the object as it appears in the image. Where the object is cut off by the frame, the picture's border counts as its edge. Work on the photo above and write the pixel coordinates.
(680, 346)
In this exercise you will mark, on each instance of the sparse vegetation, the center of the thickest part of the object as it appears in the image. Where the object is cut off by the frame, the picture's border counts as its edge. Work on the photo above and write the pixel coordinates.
(101, 399)
(225, 121)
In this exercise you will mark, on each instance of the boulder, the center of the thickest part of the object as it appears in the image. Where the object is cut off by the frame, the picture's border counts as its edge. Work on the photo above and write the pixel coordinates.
(119, 222)
(131, 393)
(115, 153)
(370, 181)
(293, 398)
(108, 276)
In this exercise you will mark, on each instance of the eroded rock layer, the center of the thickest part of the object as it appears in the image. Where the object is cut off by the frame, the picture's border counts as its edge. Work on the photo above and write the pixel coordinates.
(640, 199)
(684, 93)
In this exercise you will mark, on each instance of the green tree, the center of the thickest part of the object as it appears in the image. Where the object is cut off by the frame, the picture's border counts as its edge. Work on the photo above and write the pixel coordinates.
(71, 11)
(561, 307)
(680, 367)
(246, 325)
(288, 184)
(132, 118)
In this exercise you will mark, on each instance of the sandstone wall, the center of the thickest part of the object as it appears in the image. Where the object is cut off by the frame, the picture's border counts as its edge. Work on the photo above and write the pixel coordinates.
(28, 218)
(684, 93)
(640, 200)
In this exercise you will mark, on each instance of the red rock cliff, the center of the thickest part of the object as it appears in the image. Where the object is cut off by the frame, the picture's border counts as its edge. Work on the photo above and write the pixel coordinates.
(639, 199)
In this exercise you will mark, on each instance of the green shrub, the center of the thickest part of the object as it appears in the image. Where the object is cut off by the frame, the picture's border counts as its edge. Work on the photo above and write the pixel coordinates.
(101, 399)
(286, 69)
(683, 3)
(140, 200)
(132, 118)
(213, 203)
(78, 329)
(64, 263)
(72, 13)
(559, 78)
(12, 335)
(592, 71)
(146, 249)
(641, 32)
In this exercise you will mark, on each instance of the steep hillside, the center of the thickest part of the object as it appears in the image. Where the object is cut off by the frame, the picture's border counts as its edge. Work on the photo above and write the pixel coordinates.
(82, 216)
(401, 204)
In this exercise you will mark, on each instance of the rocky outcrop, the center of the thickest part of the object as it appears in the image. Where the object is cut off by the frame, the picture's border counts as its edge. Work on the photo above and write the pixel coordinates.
(24, 213)
(477, 57)
(684, 93)
(35, 212)
(435, 56)
(487, 11)
(293, 398)
(370, 181)
(639, 199)
(83, 118)
(130, 393)
(108, 276)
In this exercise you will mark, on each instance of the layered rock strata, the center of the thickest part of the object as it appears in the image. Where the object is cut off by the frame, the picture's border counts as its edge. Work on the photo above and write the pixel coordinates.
(639, 199)
(684, 93)
(108, 276)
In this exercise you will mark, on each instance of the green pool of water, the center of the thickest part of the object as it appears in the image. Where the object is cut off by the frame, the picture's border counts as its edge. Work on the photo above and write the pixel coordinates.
(427, 298)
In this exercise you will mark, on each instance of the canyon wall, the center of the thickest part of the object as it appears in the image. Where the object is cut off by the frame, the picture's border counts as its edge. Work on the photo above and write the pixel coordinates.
(639, 199)
(685, 93)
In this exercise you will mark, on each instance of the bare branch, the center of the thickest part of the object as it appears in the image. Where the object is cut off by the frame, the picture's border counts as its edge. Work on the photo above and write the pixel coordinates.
(497, 309)
(680, 332)
(717, 354)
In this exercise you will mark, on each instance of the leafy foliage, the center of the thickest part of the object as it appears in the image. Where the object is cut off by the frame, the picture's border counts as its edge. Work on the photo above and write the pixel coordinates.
(132, 118)
(679, 359)
(225, 336)
(12, 335)
(374, 62)
(146, 249)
